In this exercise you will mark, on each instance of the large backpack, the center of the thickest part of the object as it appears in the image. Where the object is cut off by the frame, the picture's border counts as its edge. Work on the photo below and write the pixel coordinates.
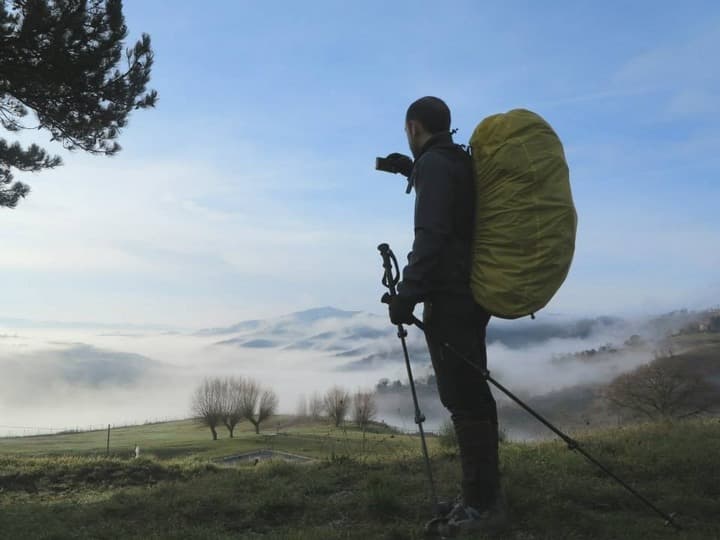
(525, 219)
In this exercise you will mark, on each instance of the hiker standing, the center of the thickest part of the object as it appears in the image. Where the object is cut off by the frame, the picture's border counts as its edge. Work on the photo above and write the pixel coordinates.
(438, 275)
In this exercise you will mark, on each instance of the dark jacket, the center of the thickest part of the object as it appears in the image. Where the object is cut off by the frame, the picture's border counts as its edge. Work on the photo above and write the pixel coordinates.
(444, 214)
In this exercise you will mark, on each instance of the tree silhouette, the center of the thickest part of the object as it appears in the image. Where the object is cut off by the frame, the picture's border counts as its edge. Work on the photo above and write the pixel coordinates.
(315, 406)
(257, 404)
(207, 404)
(663, 389)
(337, 404)
(64, 61)
(364, 408)
(232, 412)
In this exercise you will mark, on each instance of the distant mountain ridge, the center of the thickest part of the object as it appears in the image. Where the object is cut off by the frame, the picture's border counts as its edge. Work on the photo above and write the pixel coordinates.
(510, 333)
(305, 316)
(327, 330)
(361, 340)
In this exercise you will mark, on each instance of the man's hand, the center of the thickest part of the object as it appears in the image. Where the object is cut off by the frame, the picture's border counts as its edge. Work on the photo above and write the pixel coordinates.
(400, 308)
(401, 163)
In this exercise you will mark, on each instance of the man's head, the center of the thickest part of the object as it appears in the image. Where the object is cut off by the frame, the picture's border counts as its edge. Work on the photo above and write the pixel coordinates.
(424, 118)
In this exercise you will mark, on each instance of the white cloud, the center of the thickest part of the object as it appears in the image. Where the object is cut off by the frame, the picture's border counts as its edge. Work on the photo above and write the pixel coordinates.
(686, 62)
(157, 241)
(198, 242)
(686, 70)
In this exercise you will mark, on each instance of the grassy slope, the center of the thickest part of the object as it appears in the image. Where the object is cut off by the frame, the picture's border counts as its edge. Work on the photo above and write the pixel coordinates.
(553, 493)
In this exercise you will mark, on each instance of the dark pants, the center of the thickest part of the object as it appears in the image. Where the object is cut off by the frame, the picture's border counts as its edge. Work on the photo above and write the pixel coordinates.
(460, 322)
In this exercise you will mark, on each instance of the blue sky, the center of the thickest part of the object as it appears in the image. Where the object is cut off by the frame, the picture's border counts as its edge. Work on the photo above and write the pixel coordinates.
(250, 190)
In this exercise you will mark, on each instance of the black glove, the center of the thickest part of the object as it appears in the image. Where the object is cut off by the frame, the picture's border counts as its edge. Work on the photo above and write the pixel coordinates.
(400, 163)
(400, 308)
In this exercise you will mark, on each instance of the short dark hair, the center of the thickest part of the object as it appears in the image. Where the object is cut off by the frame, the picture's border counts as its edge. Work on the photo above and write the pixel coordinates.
(431, 112)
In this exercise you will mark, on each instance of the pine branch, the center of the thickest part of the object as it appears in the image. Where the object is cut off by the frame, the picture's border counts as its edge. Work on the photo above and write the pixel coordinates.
(60, 59)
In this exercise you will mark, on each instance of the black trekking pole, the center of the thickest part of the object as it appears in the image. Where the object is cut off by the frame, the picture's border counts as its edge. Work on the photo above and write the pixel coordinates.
(391, 277)
(571, 443)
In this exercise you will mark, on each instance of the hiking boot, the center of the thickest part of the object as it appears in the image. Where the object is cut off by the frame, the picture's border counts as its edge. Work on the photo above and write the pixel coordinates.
(466, 520)
(444, 507)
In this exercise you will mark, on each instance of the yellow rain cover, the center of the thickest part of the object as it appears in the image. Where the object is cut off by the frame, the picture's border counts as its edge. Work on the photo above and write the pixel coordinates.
(525, 219)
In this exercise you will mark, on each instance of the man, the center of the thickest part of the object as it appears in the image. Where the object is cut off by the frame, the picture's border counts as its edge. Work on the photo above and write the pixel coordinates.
(438, 274)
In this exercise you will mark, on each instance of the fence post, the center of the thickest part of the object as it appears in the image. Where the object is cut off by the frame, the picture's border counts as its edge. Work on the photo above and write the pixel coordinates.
(107, 452)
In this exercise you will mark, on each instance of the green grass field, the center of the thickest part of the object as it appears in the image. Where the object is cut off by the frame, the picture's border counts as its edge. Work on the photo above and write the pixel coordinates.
(61, 487)
(189, 439)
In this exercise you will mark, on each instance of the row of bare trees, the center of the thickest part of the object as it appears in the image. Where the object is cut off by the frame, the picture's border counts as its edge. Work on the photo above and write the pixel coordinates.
(230, 400)
(338, 404)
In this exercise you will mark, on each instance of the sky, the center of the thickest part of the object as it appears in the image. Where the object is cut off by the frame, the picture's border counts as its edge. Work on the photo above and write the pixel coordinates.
(250, 191)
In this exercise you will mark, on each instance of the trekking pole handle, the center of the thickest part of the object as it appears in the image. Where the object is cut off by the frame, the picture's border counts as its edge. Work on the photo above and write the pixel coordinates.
(391, 275)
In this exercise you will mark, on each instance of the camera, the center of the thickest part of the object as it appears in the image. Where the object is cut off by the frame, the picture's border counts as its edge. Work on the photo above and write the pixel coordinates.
(395, 163)
(385, 164)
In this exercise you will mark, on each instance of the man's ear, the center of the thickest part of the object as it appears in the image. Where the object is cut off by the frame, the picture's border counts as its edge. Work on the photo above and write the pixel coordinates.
(412, 128)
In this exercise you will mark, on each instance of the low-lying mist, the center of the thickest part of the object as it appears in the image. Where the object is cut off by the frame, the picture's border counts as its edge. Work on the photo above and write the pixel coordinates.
(54, 379)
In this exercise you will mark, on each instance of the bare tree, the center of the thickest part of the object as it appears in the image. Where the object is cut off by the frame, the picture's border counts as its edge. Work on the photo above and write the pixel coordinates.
(232, 391)
(302, 407)
(207, 404)
(268, 407)
(257, 404)
(250, 397)
(364, 408)
(663, 389)
(315, 406)
(337, 404)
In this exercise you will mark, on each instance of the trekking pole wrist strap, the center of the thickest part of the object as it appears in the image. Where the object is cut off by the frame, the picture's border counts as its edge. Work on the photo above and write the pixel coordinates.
(391, 274)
